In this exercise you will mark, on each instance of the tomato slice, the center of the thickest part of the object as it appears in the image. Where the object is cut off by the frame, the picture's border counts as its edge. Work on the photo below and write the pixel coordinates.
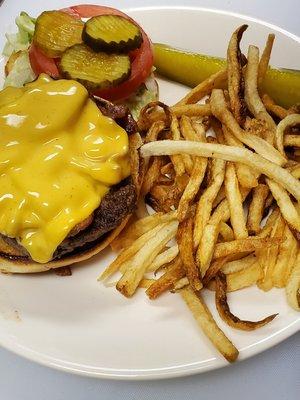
(142, 58)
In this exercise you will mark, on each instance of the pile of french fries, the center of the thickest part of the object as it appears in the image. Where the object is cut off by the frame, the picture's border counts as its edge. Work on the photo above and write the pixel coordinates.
(223, 179)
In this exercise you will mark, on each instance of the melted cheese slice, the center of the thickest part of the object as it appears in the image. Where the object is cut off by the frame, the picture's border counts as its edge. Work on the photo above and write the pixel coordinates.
(58, 157)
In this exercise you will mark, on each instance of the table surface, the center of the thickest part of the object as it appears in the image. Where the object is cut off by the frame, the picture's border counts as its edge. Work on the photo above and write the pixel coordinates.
(275, 372)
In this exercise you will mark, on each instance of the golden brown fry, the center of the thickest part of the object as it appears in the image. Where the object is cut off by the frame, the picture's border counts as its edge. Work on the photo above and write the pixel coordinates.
(180, 284)
(235, 203)
(226, 232)
(174, 272)
(235, 76)
(206, 247)
(163, 258)
(263, 148)
(205, 203)
(244, 278)
(188, 131)
(217, 80)
(256, 208)
(176, 158)
(252, 98)
(252, 243)
(152, 174)
(207, 323)
(137, 165)
(292, 288)
(274, 108)
(129, 282)
(288, 122)
(287, 208)
(186, 251)
(154, 131)
(291, 140)
(213, 269)
(267, 258)
(239, 265)
(226, 314)
(228, 153)
(286, 259)
(264, 60)
(220, 197)
(188, 163)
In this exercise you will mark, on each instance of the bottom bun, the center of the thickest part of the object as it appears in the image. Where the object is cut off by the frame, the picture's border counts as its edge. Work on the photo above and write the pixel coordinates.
(15, 264)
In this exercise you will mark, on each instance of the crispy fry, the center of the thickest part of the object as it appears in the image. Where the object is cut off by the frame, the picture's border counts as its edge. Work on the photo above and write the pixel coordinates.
(291, 140)
(264, 60)
(239, 265)
(262, 147)
(188, 130)
(213, 269)
(226, 232)
(204, 88)
(137, 165)
(292, 288)
(286, 259)
(244, 278)
(163, 258)
(220, 197)
(176, 158)
(243, 245)
(152, 174)
(174, 272)
(252, 98)
(285, 204)
(256, 208)
(274, 108)
(226, 314)
(206, 247)
(235, 76)
(288, 122)
(185, 243)
(207, 323)
(235, 203)
(205, 203)
(228, 153)
(154, 131)
(180, 284)
(129, 282)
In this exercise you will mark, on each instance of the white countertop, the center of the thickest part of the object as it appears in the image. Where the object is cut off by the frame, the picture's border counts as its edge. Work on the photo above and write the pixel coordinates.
(272, 374)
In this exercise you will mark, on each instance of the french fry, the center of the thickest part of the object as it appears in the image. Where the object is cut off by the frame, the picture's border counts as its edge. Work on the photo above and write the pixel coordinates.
(256, 208)
(252, 97)
(204, 88)
(152, 174)
(267, 258)
(174, 272)
(163, 258)
(181, 283)
(228, 153)
(274, 108)
(188, 131)
(235, 203)
(186, 251)
(286, 259)
(288, 122)
(205, 203)
(129, 282)
(220, 197)
(235, 76)
(207, 323)
(130, 251)
(239, 265)
(264, 60)
(292, 288)
(244, 278)
(213, 269)
(154, 131)
(206, 247)
(285, 204)
(226, 232)
(176, 158)
(226, 314)
(262, 147)
(291, 140)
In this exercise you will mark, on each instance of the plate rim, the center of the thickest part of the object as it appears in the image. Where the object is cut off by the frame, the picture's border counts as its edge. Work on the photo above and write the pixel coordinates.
(175, 371)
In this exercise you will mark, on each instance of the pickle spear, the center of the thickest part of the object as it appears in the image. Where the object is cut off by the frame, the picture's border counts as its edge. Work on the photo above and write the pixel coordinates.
(283, 85)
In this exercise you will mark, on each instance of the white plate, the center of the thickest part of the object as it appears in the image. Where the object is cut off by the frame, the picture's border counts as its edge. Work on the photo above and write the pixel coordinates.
(77, 325)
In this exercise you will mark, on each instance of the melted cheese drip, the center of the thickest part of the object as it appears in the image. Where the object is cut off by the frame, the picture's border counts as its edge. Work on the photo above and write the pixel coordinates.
(58, 157)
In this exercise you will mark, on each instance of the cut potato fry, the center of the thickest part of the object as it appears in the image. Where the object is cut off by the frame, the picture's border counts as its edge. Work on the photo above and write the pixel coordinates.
(226, 314)
(252, 98)
(163, 258)
(205, 203)
(152, 174)
(213, 269)
(264, 60)
(186, 251)
(154, 131)
(256, 208)
(181, 284)
(226, 232)
(204, 88)
(235, 203)
(239, 265)
(228, 153)
(129, 282)
(206, 247)
(291, 140)
(292, 288)
(207, 323)
(174, 272)
(288, 122)
(235, 75)
(263, 148)
(244, 278)
(274, 108)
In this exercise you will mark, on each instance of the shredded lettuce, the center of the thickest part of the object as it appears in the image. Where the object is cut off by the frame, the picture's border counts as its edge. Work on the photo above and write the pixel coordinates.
(22, 39)
(21, 72)
(147, 92)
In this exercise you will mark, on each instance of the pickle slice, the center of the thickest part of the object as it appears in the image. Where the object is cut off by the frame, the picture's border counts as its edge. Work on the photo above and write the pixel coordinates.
(55, 31)
(94, 70)
(111, 33)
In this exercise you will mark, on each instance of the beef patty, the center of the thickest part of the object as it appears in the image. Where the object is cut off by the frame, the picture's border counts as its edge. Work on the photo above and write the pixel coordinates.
(115, 206)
